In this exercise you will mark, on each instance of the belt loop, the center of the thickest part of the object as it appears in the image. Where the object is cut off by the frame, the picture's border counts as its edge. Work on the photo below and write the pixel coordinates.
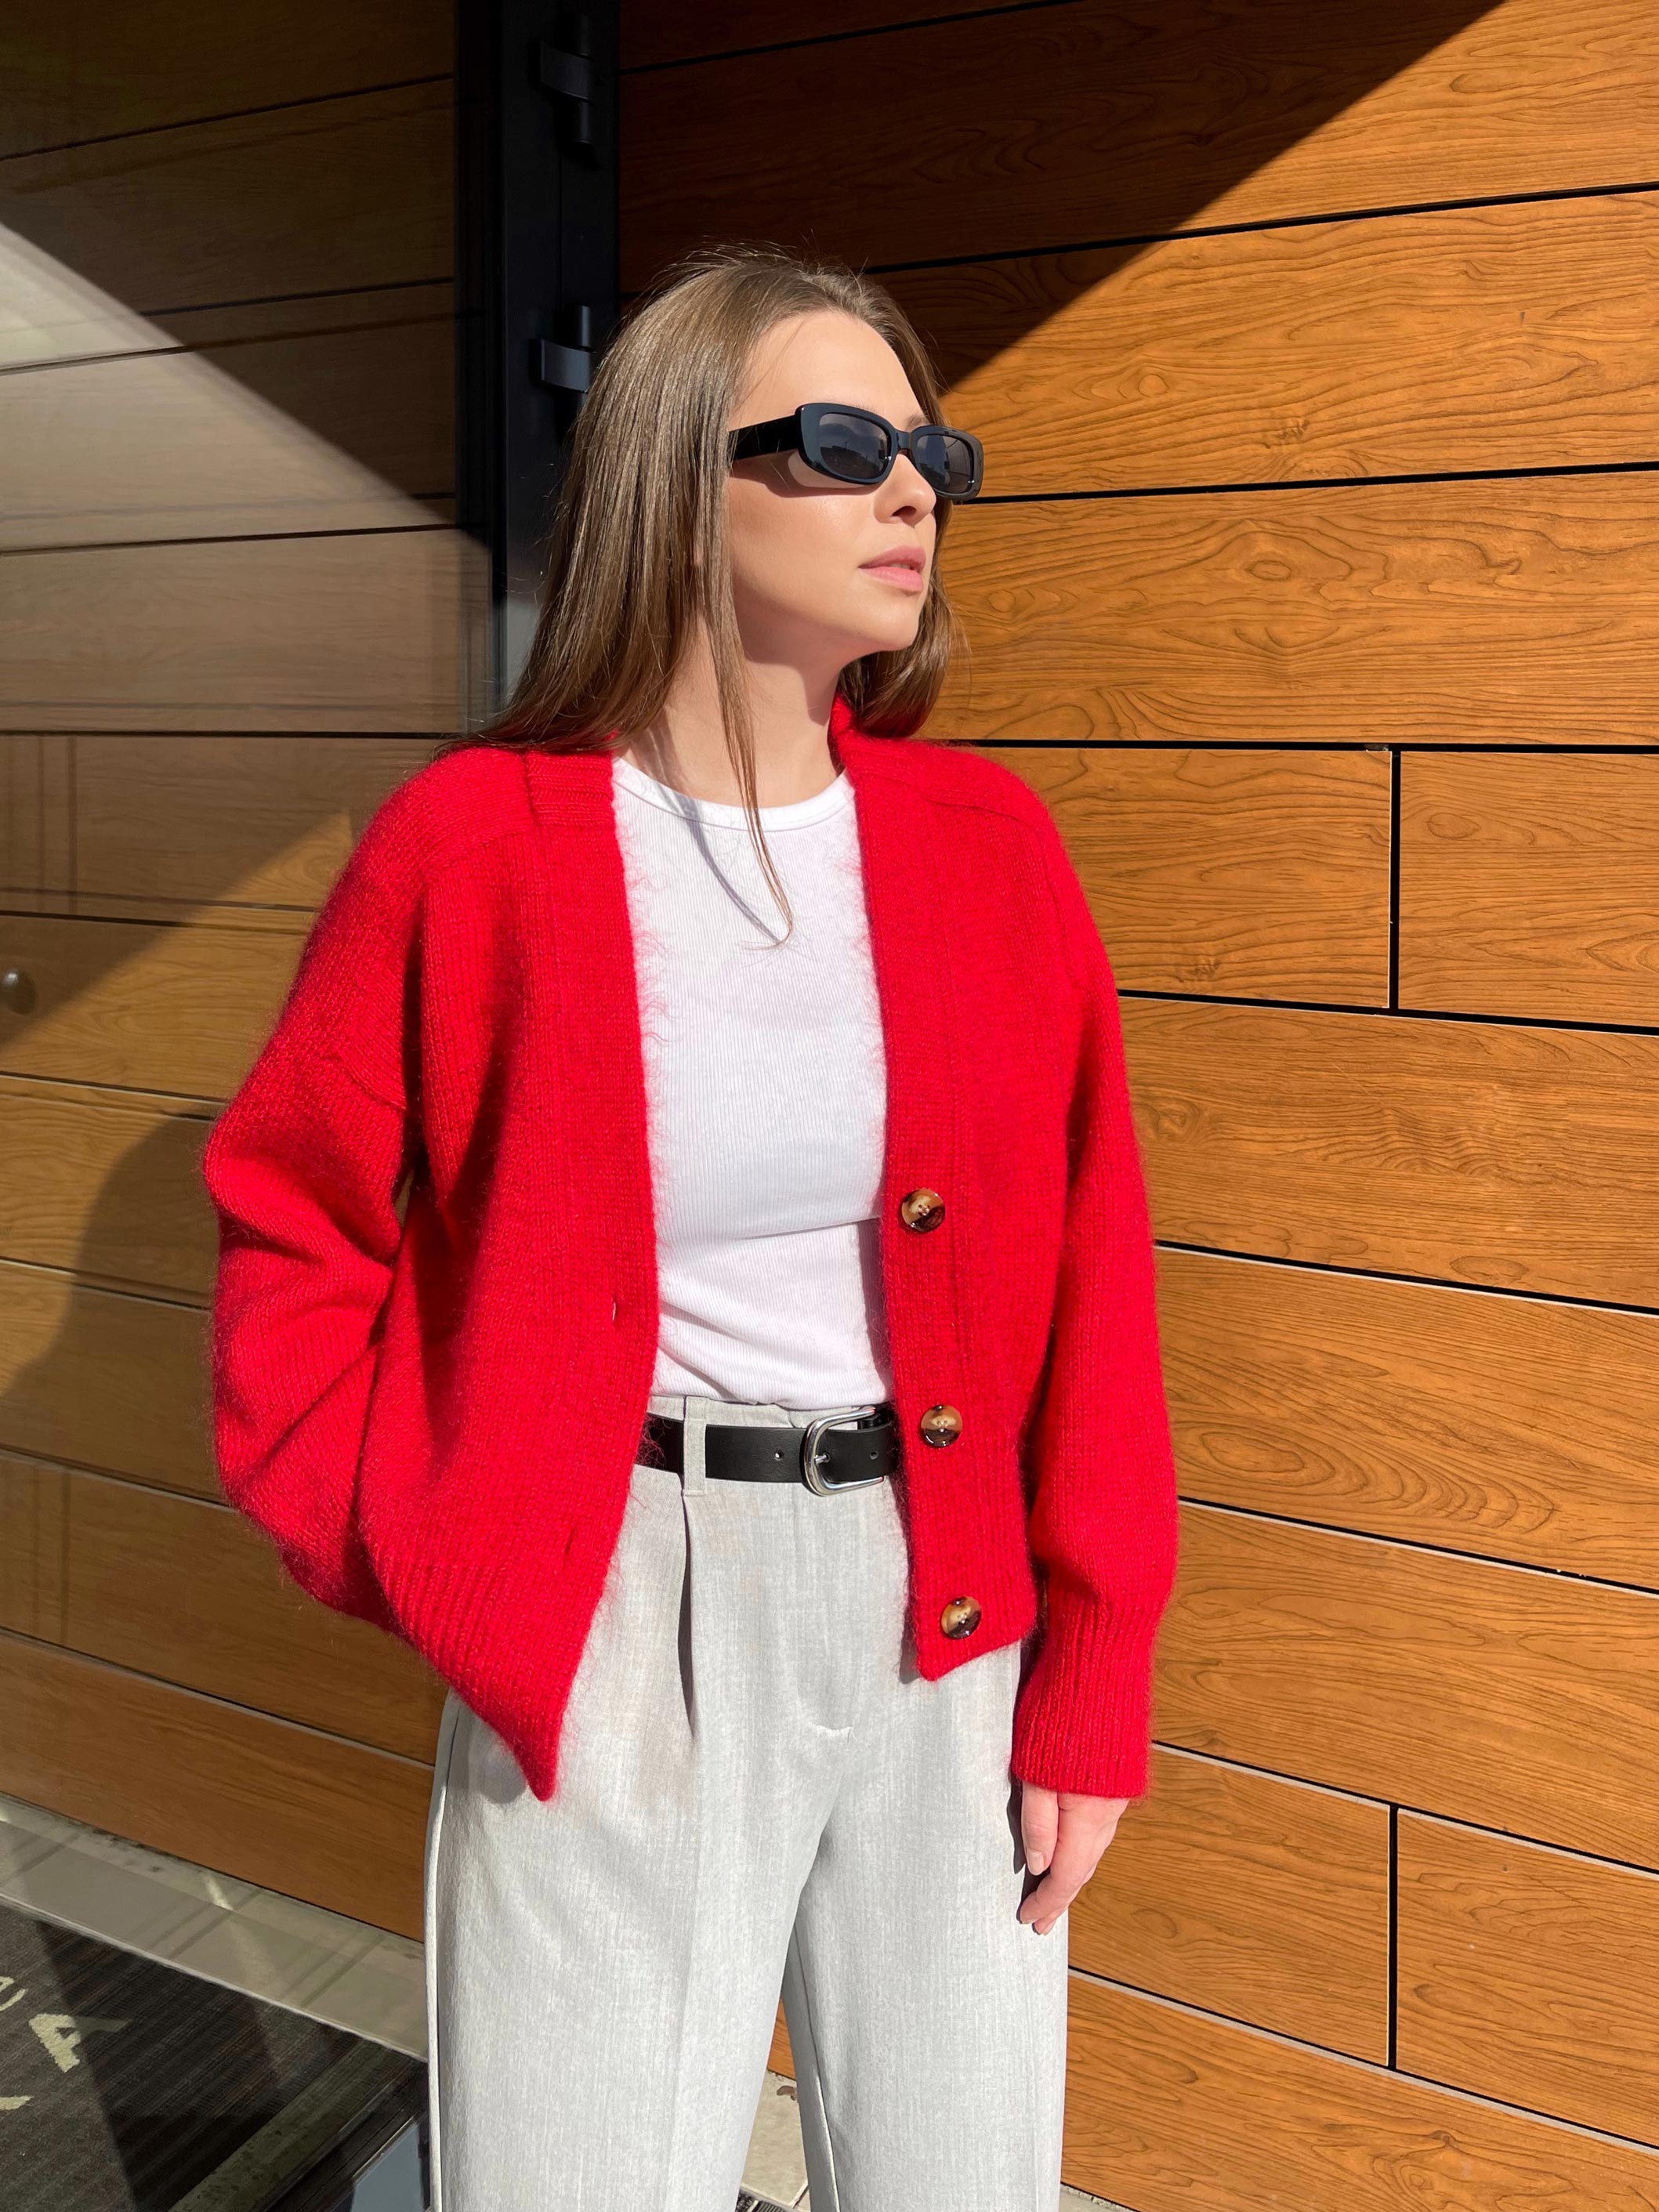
(694, 1475)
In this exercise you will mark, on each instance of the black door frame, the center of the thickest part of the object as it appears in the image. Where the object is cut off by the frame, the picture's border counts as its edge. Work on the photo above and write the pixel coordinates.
(536, 280)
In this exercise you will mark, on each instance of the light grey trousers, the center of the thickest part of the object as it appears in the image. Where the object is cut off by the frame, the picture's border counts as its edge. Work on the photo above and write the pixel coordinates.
(758, 1794)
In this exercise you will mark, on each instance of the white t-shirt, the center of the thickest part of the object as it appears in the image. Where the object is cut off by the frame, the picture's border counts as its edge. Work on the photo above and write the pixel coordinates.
(767, 1095)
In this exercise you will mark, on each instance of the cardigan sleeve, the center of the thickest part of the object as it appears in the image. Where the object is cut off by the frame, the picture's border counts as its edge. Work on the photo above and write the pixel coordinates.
(303, 1167)
(1102, 1524)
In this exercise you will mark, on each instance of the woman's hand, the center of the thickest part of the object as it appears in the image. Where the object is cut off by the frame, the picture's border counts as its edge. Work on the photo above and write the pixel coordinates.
(1064, 1835)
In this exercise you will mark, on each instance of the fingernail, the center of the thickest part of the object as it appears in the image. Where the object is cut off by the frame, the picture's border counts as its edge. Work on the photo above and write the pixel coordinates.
(1035, 1861)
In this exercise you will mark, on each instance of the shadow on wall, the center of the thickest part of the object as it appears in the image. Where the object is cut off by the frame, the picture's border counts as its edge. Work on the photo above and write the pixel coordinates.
(1039, 128)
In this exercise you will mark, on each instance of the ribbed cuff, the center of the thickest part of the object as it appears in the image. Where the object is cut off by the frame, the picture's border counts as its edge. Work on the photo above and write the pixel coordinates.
(1083, 1721)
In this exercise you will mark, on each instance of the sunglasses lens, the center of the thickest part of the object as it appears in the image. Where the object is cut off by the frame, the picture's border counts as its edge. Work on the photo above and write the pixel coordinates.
(949, 462)
(854, 447)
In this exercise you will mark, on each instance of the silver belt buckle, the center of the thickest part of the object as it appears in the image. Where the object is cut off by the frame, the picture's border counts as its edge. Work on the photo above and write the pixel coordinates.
(809, 1455)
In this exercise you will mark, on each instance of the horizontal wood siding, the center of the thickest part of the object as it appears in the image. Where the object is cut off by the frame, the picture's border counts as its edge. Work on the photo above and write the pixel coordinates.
(1520, 611)
(1458, 339)
(1517, 1429)
(1252, 1896)
(1167, 2107)
(234, 612)
(1529, 1971)
(1515, 1158)
(1060, 126)
(1497, 1695)
(300, 1809)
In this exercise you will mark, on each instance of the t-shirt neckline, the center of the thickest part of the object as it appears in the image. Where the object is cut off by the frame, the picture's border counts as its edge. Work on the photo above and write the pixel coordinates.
(717, 814)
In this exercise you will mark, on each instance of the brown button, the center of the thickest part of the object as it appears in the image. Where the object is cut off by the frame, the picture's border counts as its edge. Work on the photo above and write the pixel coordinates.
(960, 1617)
(922, 1209)
(941, 1424)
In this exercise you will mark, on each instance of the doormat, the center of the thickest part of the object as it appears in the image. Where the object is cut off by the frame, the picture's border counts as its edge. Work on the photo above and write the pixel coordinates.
(130, 2086)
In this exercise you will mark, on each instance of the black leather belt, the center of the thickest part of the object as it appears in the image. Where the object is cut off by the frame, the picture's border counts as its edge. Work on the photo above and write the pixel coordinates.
(833, 1451)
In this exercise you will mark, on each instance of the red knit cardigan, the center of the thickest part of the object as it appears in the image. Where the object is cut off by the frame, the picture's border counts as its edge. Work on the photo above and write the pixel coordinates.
(434, 1414)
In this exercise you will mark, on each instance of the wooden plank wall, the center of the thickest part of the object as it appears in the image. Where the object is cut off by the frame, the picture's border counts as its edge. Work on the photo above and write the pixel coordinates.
(1315, 354)
(235, 609)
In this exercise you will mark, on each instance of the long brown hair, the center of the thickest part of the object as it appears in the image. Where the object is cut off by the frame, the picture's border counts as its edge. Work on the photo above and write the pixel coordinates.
(637, 554)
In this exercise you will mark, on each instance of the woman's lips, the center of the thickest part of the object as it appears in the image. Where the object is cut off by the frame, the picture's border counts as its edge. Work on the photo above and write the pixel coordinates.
(895, 569)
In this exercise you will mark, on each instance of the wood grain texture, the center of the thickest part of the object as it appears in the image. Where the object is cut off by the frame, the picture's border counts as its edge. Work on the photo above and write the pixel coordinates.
(1246, 873)
(780, 2058)
(71, 69)
(34, 1535)
(295, 1809)
(655, 31)
(1529, 885)
(37, 814)
(341, 195)
(371, 632)
(1473, 1152)
(1076, 124)
(1168, 2108)
(1490, 1694)
(1249, 1895)
(1531, 1975)
(1507, 612)
(229, 507)
(183, 1590)
(152, 828)
(206, 994)
(1512, 1428)
(103, 1379)
(1513, 336)
(105, 1183)
(328, 428)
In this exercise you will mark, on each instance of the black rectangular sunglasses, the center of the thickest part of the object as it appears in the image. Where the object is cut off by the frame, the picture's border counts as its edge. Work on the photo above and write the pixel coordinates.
(856, 446)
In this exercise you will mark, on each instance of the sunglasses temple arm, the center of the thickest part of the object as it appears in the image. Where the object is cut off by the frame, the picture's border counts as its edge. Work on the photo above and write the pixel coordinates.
(763, 438)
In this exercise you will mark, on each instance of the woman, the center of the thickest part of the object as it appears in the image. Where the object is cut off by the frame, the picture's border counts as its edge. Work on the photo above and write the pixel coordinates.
(739, 1174)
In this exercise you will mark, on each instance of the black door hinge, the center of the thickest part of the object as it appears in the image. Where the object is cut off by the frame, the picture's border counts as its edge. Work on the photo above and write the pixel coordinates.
(566, 73)
(565, 365)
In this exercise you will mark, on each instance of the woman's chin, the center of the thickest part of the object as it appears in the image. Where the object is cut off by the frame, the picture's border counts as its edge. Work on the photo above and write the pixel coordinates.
(897, 635)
